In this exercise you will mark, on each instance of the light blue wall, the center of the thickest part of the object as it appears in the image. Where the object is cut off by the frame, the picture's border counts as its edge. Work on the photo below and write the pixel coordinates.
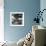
(29, 7)
(43, 6)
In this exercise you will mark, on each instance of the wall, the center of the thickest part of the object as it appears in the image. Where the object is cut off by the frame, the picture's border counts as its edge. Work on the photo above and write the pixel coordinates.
(43, 6)
(29, 7)
(1, 21)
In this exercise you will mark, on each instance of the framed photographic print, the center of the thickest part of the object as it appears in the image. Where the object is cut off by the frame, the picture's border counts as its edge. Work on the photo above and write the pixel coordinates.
(16, 18)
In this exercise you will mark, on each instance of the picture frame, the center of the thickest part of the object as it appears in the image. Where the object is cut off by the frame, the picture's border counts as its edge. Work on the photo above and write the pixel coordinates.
(16, 18)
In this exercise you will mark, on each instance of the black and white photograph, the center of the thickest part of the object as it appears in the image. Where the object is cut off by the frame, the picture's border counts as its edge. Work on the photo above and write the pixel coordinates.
(17, 18)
